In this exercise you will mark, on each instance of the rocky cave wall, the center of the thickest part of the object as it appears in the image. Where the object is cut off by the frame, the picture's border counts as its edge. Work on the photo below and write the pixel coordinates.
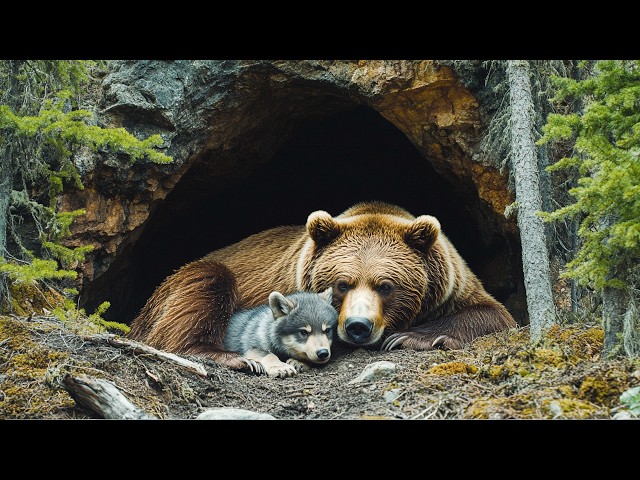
(258, 144)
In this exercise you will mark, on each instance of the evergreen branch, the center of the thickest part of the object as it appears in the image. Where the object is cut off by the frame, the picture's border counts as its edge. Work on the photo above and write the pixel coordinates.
(37, 270)
(41, 123)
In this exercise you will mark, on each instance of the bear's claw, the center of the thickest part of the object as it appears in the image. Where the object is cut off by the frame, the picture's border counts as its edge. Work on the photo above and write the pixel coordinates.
(416, 341)
(254, 367)
(439, 341)
(394, 340)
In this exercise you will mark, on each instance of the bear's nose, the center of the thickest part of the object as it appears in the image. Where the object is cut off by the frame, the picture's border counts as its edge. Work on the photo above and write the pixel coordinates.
(322, 353)
(358, 328)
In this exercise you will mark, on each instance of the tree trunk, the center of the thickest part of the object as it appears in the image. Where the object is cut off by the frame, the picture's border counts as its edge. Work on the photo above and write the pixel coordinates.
(13, 98)
(631, 340)
(535, 259)
(5, 191)
(619, 313)
(574, 251)
(614, 306)
(6, 184)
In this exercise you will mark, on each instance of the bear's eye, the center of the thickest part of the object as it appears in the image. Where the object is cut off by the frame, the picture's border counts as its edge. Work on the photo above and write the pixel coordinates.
(385, 288)
(304, 333)
(342, 286)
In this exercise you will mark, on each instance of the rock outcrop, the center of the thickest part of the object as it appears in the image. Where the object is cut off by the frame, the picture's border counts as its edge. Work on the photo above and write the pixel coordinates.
(246, 136)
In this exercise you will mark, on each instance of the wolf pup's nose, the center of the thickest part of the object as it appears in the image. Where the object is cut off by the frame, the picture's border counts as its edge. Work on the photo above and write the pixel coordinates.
(323, 353)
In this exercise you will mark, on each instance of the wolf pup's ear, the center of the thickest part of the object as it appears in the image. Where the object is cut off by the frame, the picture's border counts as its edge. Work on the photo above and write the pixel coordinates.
(322, 228)
(327, 295)
(280, 305)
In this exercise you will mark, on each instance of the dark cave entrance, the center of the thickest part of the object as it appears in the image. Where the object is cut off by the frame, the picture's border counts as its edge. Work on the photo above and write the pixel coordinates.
(329, 164)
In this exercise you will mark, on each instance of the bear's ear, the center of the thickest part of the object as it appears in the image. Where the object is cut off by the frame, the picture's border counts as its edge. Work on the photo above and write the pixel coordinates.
(422, 233)
(327, 295)
(322, 227)
(280, 305)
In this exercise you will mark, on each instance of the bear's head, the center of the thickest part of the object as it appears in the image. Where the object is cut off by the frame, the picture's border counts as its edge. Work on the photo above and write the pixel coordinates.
(380, 263)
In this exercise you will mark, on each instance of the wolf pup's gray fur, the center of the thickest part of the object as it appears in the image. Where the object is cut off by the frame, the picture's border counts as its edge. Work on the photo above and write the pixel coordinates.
(297, 328)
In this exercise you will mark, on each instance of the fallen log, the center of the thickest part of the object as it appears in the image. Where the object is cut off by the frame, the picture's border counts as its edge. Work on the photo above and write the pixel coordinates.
(103, 397)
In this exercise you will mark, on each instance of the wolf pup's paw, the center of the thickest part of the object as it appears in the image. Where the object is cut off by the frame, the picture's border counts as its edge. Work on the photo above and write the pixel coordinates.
(298, 365)
(281, 371)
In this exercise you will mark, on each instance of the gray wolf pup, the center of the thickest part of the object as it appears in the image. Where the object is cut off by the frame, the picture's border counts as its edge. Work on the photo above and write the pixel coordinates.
(297, 328)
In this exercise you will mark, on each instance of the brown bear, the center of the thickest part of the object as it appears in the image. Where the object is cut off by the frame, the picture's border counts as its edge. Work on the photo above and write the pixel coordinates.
(397, 281)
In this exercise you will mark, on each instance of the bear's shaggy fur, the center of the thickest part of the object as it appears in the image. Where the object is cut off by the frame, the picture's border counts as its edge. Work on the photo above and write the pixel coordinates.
(397, 281)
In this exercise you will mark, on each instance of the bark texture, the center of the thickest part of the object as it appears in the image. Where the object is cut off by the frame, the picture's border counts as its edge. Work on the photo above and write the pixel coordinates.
(103, 398)
(614, 307)
(631, 329)
(5, 191)
(535, 258)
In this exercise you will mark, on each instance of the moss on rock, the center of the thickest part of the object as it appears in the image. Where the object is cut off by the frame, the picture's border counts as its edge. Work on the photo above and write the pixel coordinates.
(24, 391)
(33, 299)
(576, 343)
(546, 403)
(568, 408)
(605, 387)
(452, 368)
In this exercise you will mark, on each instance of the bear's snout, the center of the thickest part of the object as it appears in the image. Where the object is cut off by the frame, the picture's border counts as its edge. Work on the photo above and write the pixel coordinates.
(359, 329)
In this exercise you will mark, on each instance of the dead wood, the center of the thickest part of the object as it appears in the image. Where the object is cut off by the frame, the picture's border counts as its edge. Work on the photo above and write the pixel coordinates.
(141, 348)
(103, 397)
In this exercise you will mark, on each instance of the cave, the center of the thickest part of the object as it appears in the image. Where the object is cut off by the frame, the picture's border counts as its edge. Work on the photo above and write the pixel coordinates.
(328, 161)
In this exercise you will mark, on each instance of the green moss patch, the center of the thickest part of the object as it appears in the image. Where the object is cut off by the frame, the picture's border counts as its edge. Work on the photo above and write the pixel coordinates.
(31, 299)
(605, 386)
(562, 376)
(547, 403)
(576, 343)
(25, 391)
(452, 368)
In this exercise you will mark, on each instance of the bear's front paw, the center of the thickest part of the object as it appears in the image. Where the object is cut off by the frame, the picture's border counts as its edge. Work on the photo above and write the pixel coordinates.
(419, 341)
(281, 370)
(298, 365)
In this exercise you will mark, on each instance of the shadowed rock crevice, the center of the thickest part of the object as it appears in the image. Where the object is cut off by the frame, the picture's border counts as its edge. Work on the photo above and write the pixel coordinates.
(329, 164)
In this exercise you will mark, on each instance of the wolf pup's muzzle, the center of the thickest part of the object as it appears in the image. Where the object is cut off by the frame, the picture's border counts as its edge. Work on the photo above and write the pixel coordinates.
(322, 353)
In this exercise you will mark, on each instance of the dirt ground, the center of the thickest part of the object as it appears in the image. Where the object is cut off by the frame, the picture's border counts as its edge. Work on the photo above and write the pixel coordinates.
(500, 376)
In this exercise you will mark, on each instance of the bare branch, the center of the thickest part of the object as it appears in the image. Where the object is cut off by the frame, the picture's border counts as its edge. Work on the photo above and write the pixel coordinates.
(141, 348)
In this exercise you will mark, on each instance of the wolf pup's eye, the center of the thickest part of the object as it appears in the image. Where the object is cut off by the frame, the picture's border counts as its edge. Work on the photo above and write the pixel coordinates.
(342, 286)
(304, 333)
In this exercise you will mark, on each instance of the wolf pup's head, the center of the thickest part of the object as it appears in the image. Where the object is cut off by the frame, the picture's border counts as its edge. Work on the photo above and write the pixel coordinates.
(305, 324)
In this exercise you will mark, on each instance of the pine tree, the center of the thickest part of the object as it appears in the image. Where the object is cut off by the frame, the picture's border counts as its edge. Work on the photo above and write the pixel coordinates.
(41, 131)
(606, 137)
